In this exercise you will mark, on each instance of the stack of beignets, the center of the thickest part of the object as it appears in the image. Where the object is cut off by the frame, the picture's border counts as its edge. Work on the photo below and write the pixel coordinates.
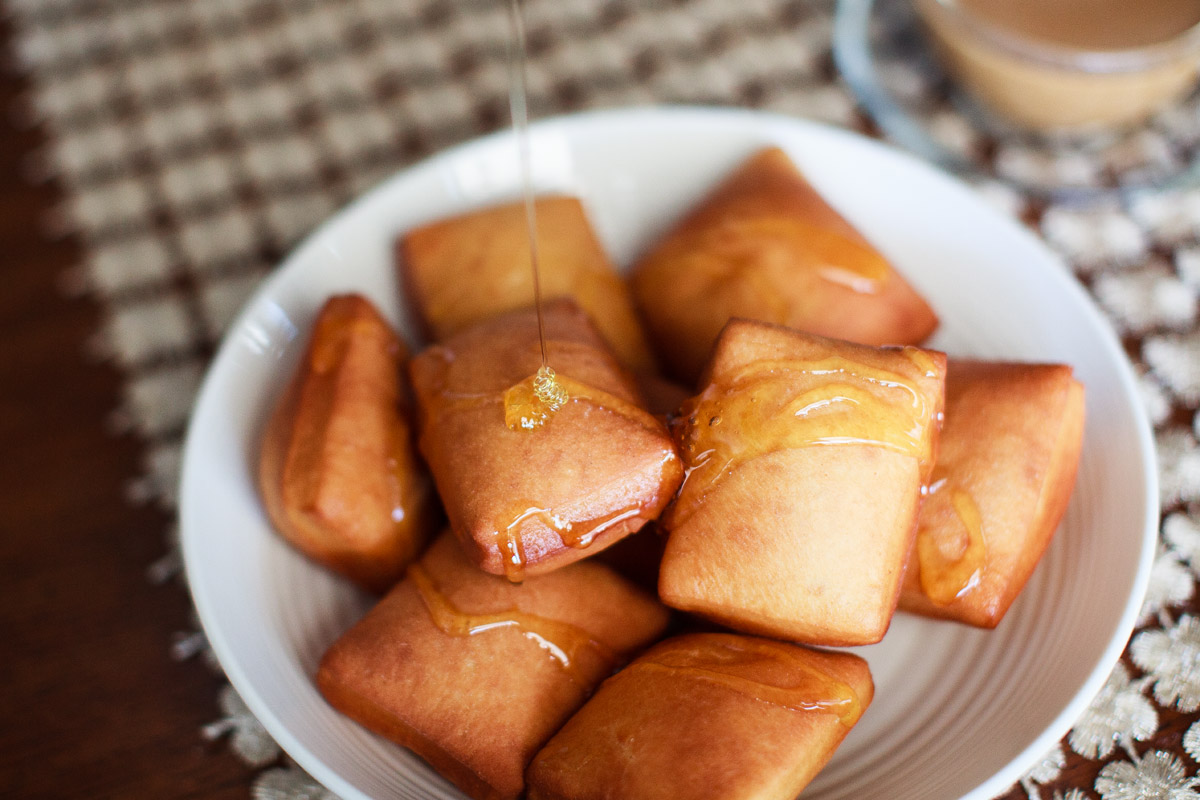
(804, 489)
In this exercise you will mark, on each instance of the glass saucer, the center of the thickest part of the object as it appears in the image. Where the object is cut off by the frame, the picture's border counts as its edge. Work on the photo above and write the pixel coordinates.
(888, 62)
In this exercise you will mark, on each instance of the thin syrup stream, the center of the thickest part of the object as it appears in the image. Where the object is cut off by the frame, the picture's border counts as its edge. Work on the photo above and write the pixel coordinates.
(548, 390)
(518, 101)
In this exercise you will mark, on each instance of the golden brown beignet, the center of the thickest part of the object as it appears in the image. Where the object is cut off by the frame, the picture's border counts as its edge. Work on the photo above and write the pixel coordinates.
(474, 673)
(338, 470)
(1009, 450)
(529, 501)
(469, 268)
(705, 716)
(805, 459)
(765, 245)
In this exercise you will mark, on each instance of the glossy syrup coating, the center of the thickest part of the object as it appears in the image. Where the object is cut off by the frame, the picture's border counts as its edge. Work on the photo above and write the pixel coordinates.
(579, 653)
(1009, 452)
(703, 716)
(804, 461)
(528, 490)
(798, 402)
(338, 470)
(469, 268)
(949, 569)
(765, 245)
(474, 673)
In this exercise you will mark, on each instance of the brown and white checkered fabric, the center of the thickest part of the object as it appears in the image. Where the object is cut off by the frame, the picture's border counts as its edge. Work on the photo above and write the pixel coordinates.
(197, 140)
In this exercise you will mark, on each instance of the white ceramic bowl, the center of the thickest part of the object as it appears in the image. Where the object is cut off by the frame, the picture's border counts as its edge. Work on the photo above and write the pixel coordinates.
(959, 713)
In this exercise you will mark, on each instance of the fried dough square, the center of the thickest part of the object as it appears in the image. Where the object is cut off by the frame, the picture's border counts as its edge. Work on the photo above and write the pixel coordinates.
(338, 469)
(1009, 451)
(528, 490)
(474, 673)
(703, 716)
(469, 268)
(765, 245)
(805, 458)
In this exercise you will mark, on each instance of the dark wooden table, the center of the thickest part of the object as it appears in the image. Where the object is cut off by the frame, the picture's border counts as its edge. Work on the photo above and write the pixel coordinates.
(91, 703)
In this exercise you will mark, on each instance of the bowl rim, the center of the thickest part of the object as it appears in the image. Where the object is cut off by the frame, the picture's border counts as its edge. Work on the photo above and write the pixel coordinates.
(1064, 57)
(1000, 780)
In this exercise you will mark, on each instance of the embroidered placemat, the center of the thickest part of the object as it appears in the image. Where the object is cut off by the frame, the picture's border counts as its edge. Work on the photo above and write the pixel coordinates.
(195, 142)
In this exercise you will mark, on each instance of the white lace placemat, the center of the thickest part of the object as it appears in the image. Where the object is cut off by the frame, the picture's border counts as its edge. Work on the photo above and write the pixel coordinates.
(195, 142)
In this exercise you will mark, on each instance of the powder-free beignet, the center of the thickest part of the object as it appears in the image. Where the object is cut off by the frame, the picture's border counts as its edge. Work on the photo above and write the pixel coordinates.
(1008, 454)
(805, 460)
(765, 245)
(338, 470)
(474, 673)
(469, 268)
(525, 501)
(706, 716)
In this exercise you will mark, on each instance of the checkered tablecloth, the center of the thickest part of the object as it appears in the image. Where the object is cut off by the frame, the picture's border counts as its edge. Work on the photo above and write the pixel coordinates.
(196, 142)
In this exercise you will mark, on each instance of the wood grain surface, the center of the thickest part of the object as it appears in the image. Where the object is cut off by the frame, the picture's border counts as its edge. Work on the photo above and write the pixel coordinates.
(91, 703)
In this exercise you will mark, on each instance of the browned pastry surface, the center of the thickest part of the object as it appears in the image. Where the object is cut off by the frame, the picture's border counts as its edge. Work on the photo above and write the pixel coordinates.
(1006, 468)
(805, 460)
(338, 469)
(765, 245)
(475, 673)
(528, 501)
(475, 266)
(707, 716)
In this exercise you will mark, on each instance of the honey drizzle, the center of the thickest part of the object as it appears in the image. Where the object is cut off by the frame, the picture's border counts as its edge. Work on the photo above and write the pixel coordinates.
(524, 411)
(837, 402)
(567, 644)
(816, 690)
(577, 534)
(945, 579)
(923, 360)
(512, 553)
(526, 406)
(547, 389)
(574, 533)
